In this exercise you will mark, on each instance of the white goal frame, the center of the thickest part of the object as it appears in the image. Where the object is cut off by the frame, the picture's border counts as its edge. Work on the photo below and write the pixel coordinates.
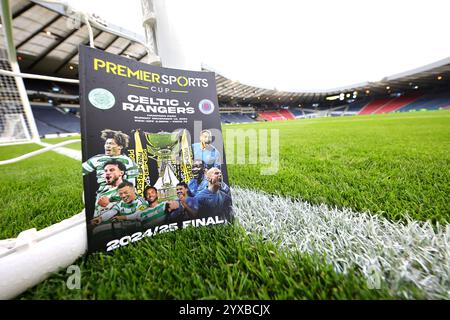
(16, 86)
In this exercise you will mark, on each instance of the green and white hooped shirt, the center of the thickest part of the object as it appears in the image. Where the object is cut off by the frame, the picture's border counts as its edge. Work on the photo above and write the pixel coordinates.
(124, 209)
(112, 193)
(97, 162)
(149, 214)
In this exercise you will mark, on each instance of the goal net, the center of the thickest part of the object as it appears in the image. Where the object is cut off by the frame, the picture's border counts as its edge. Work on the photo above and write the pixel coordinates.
(13, 128)
(16, 119)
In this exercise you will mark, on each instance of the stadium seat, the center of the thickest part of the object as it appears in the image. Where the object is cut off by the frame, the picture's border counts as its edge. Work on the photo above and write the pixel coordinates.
(50, 121)
(235, 118)
(396, 104)
(428, 102)
(298, 113)
(374, 105)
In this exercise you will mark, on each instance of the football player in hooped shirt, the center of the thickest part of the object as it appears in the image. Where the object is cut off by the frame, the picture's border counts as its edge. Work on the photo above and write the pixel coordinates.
(108, 194)
(129, 204)
(213, 201)
(153, 215)
(115, 143)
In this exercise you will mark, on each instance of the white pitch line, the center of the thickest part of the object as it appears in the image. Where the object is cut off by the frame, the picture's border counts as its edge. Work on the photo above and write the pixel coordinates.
(71, 153)
(48, 147)
(393, 252)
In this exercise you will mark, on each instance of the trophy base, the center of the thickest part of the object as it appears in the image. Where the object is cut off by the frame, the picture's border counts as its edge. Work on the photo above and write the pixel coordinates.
(167, 192)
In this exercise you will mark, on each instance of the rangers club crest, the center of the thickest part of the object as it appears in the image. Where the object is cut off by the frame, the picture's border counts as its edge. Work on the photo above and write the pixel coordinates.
(206, 106)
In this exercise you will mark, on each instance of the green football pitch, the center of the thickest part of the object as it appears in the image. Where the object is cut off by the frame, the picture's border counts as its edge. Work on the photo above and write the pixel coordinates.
(393, 165)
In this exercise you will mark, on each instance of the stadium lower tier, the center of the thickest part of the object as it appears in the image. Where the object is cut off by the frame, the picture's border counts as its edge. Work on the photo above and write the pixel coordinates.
(235, 118)
(414, 102)
(50, 120)
(428, 102)
(278, 115)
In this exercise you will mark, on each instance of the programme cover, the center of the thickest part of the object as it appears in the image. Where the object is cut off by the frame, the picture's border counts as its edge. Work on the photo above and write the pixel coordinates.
(153, 156)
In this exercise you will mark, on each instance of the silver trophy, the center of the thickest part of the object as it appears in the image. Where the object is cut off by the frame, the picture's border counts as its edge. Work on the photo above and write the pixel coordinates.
(160, 147)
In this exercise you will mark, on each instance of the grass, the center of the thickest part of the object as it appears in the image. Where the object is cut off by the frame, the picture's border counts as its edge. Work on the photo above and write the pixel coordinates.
(39, 191)
(205, 263)
(391, 164)
(75, 145)
(9, 152)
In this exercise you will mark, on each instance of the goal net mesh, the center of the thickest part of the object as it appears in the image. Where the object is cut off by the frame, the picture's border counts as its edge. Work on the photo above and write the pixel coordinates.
(14, 125)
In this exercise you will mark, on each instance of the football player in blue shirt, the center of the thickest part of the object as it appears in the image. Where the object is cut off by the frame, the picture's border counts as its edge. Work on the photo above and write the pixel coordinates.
(184, 207)
(199, 181)
(213, 201)
(205, 151)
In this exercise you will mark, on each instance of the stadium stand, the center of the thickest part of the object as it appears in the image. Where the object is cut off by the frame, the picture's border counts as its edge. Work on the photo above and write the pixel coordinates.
(235, 118)
(267, 115)
(44, 86)
(373, 105)
(46, 129)
(428, 102)
(355, 107)
(396, 104)
(287, 114)
(277, 115)
(298, 113)
(51, 121)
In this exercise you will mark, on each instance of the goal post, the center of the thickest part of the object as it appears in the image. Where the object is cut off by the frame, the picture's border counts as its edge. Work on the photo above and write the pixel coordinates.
(17, 122)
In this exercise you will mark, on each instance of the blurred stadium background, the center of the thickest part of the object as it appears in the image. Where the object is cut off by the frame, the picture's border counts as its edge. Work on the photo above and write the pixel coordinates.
(46, 45)
(416, 100)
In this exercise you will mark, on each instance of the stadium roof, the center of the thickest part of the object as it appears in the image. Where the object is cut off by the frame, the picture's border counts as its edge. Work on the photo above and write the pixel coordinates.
(47, 35)
(47, 40)
(429, 76)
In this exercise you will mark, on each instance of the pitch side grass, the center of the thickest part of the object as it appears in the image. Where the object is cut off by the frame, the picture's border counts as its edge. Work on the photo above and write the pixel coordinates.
(392, 164)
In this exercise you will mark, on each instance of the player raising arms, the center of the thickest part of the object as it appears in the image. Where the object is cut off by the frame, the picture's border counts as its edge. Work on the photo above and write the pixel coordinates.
(129, 204)
(115, 143)
(108, 194)
(185, 207)
(154, 215)
(199, 182)
(212, 201)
